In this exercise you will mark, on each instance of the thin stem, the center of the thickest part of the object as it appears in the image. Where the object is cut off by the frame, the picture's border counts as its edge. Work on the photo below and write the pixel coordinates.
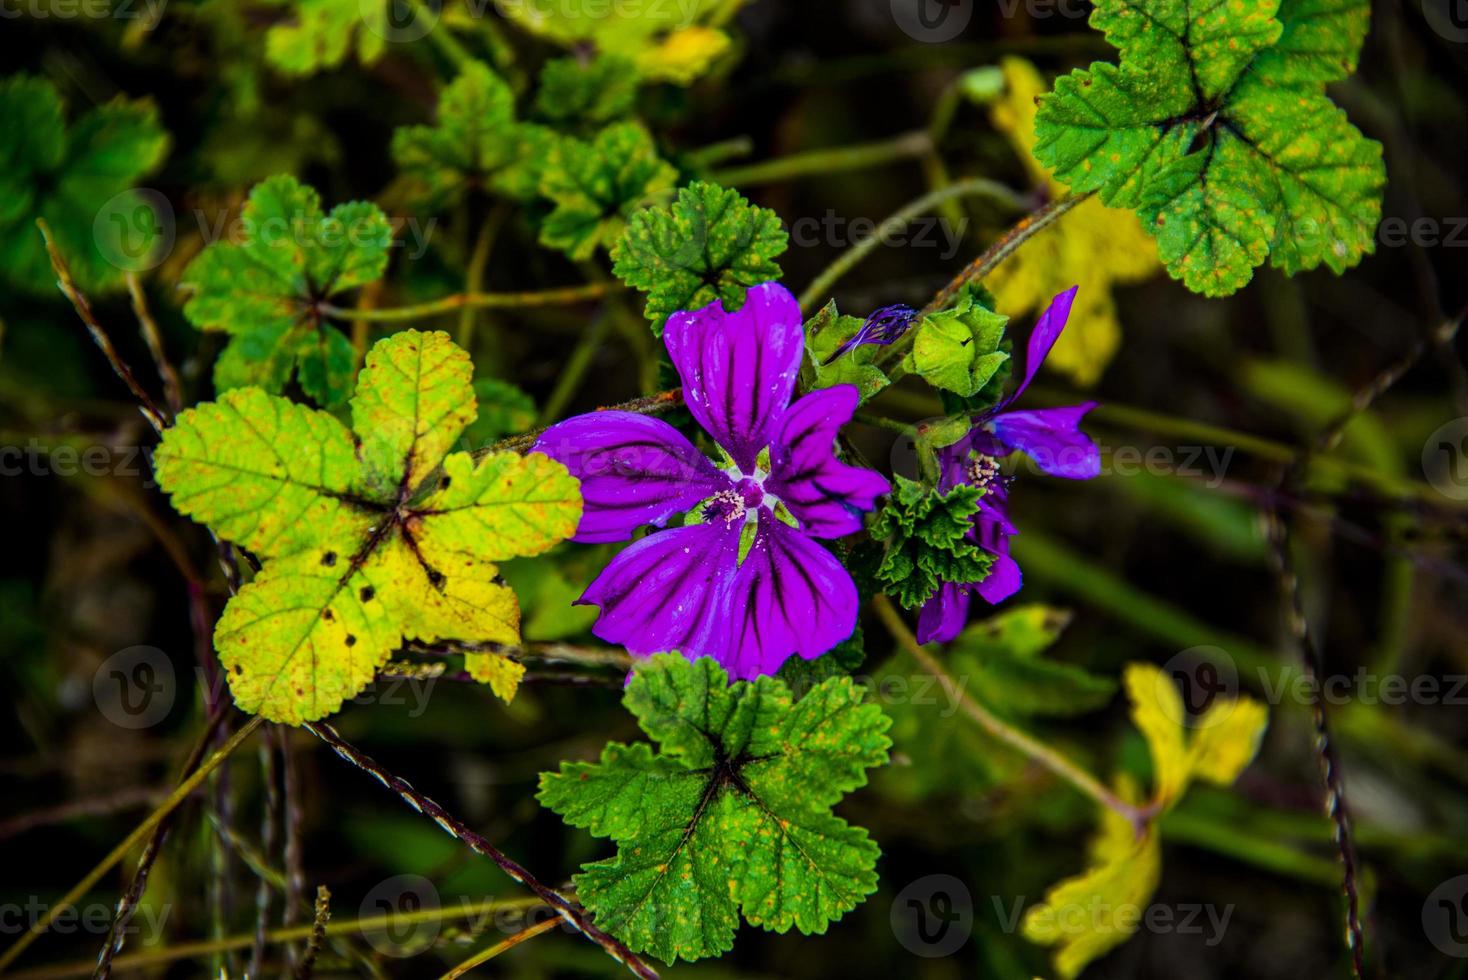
(820, 287)
(663, 401)
(1311, 660)
(148, 326)
(822, 162)
(882, 422)
(575, 369)
(79, 302)
(1013, 737)
(337, 927)
(474, 275)
(572, 914)
(483, 301)
(139, 834)
(318, 934)
(1003, 247)
(117, 931)
(484, 956)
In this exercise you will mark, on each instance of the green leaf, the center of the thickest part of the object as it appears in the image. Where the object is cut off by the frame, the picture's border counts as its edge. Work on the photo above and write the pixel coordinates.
(957, 349)
(596, 91)
(476, 143)
(1000, 658)
(825, 333)
(1216, 129)
(732, 816)
(504, 410)
(596, 186)
(81, 182)
(924, 539)
(265, 289)
(710, 244)
(325, 32)
(366, 537)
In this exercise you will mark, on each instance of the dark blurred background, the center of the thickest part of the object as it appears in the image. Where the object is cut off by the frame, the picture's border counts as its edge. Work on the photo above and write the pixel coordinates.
(1152, 560)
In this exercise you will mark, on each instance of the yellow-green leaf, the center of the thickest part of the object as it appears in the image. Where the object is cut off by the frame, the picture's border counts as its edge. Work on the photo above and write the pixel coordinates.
(264, 473)
(414, 398)
(362, 549)
(1089, 914)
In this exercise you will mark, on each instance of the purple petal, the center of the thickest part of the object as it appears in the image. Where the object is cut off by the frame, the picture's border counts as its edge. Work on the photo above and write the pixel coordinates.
(826, 495)
(1052, 438)
(739, 369)
(669, 591)
(790, 596)
(1003, 580)
(634, 470)
(1042, 338)
(942, 617)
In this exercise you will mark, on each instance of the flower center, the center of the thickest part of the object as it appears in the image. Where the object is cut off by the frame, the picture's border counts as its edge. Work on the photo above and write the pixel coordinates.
(735, 503)
(983, 471)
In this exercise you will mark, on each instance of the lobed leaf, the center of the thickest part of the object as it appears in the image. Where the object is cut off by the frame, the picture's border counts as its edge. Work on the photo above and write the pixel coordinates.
(710, 244)
(266, 289)
(732, 816)
(1216, 129)
(363, 544)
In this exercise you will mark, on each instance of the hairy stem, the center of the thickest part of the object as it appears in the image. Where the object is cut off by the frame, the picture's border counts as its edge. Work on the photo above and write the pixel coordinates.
(571, 913)
(820, 287)
(1010, 736)
(482, 301)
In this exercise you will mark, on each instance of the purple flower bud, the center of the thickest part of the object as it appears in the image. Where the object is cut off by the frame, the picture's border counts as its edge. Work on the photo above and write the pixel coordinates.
(881, 327)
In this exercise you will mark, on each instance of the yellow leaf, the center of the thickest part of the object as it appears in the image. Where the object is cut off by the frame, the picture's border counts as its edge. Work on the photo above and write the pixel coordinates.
(1226, 739)
(683, 55)
(1093, 246)
(1089, 914)
(1157, 711)
(501, 673)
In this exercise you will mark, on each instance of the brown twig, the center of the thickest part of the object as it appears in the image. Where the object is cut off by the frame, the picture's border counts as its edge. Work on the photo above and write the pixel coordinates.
(456, 828)
(128, 903)
(122, 800)
(148, 327)
(1288, 578)
(83, 308)
(1002, 248)
(318, 934)
(663, 401)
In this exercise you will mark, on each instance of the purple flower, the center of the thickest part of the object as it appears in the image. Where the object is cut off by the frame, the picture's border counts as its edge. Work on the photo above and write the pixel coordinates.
(1049, 436)
(686, 588)
(881, 327)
